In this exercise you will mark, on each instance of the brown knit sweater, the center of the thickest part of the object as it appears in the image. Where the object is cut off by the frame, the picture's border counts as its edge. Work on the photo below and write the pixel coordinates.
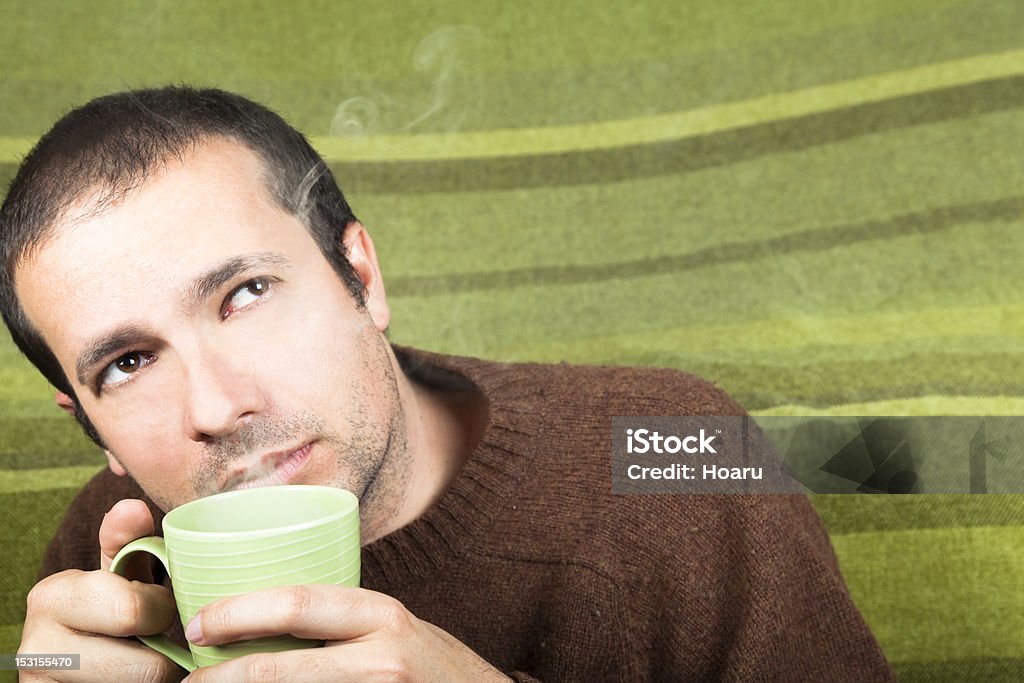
(532, 562)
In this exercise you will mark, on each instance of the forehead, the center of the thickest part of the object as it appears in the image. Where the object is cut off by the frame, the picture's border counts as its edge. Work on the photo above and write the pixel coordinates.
(218, 176)
(115, 265)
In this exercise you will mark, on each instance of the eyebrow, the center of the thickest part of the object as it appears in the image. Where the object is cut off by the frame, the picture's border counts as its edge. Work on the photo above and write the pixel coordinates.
(204, 285)
(195, 293)
(97, 350)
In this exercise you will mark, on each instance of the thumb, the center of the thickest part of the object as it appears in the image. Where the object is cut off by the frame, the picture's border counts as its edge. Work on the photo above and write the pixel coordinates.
(128, 520)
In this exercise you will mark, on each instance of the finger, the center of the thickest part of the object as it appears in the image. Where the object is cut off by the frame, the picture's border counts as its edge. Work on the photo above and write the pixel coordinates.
(321, 612)
(116, 659)
(101, 602)
(127, 520)
(361, 661)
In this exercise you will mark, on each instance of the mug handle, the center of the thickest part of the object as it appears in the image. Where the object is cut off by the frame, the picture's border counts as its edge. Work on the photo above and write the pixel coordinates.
(154, 545)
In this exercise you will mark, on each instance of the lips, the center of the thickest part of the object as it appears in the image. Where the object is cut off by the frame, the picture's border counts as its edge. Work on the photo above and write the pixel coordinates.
(272, 469)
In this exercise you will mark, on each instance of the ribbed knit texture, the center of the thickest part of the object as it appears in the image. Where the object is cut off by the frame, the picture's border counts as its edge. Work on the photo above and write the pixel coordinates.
(531, 561)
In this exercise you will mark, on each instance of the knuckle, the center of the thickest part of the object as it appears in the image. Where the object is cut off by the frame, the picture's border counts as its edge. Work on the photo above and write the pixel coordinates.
(300, 600)
(392, 667)
(42, 595)
(150, 670)
(219, 620)
(262, 669)
(39, 597)
(393, 615)
(126, 611)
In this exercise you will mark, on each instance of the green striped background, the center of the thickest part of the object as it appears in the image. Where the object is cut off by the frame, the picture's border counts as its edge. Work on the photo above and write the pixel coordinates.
(816, 205)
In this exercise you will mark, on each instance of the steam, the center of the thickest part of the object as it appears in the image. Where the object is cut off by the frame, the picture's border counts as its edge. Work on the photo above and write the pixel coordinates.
(300, 201)
(442, 55)
(449, 93)
(244, 448)
(356, 117)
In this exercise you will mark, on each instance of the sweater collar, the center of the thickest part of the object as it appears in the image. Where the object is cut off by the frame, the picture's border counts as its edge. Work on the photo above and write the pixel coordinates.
(486, 483)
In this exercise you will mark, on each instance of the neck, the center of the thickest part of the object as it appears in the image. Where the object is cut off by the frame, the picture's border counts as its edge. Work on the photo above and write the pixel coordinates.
(444, 417)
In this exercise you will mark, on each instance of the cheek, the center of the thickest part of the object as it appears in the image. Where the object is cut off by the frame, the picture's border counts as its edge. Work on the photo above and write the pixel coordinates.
(146, 424)
(314, 356)
(142, 421)
(148, 445)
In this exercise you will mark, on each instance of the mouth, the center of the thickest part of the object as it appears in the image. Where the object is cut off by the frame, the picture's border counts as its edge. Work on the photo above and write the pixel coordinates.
(272, 469)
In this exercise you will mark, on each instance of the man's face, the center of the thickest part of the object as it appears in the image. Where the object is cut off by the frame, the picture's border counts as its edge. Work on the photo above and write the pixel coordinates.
(210, 342)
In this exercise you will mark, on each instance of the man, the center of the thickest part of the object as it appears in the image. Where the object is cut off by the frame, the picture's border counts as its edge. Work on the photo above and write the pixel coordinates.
(181, 265)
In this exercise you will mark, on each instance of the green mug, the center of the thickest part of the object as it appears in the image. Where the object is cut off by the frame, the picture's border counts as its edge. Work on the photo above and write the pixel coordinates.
(242, 541)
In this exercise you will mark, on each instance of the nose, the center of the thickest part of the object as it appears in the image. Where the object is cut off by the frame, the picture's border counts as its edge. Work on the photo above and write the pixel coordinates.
(221, 395)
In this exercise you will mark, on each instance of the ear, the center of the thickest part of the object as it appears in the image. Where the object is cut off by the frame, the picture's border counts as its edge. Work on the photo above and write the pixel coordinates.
(67, 404)
(363, 257)
(115, 466)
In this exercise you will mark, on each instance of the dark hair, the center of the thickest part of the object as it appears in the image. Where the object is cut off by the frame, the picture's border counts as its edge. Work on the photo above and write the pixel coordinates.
(114, 143)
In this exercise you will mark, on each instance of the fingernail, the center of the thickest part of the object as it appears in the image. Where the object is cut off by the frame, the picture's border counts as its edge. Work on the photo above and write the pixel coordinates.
(194, 630)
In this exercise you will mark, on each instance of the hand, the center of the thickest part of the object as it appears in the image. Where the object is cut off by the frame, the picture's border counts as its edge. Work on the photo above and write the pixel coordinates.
(369, 635)
(93, 613)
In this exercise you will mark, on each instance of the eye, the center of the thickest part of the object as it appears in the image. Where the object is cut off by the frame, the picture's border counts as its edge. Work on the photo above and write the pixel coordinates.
(123, 368)
(245, 295)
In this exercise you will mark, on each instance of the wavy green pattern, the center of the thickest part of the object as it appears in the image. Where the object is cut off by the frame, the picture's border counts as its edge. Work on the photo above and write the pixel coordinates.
(670, 127)
(930, 404)
(814, 239)
(841, 334)
(682, 155)
(819, 210)
(28, 519)
(534, 64)
(855, 514)
(988, 670)
(884, 571)
(46, 479)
